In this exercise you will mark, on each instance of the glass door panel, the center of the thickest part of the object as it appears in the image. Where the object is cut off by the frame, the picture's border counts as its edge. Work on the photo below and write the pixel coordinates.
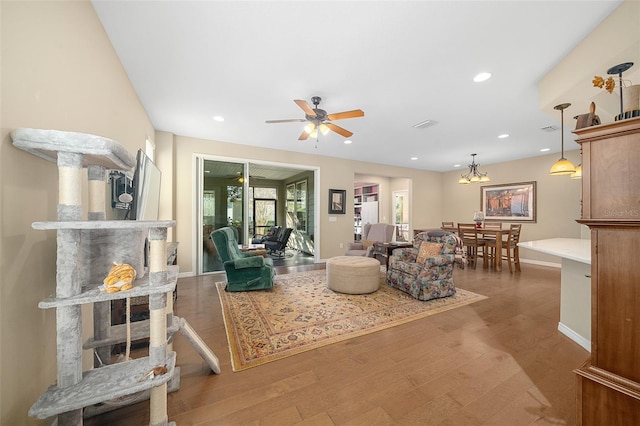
(222, 205)
(401, 215)
(264, 215)
(301, 205)
(297, 206)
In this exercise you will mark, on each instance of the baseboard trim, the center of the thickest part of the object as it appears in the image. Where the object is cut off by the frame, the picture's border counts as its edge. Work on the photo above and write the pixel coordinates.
(586, 344)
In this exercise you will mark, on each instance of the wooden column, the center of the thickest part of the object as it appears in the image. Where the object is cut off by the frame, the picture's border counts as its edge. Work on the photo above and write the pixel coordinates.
(609, 383)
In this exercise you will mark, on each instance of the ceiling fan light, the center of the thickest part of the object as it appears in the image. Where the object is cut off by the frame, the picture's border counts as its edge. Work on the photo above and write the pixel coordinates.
(324, 129)
(309, 128)
(562, 167)
(314, 133)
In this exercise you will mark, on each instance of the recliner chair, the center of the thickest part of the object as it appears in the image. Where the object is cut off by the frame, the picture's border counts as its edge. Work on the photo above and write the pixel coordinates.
(272, 235)
(244, 271)
(278, 248)
(371, 233)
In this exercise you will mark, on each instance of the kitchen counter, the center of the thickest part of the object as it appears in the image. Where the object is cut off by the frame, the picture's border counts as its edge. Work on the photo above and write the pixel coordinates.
(575, 284)
(567, 248)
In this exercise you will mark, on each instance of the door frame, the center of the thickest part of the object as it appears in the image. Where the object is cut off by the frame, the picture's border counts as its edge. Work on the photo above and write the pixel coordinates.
(198, 178)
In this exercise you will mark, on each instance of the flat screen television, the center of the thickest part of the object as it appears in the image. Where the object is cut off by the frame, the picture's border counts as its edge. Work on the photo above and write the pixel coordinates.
(145, 189)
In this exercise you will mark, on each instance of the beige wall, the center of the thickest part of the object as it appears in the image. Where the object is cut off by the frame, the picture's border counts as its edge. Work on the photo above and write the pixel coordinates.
(616, 40)
(59, 71)
(558, 198)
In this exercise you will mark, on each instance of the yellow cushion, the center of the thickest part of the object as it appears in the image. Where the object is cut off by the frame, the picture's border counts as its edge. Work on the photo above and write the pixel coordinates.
(428, 250)
(367, 243)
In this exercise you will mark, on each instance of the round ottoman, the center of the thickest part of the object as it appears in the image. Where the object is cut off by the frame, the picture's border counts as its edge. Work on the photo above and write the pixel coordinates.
(353, 274)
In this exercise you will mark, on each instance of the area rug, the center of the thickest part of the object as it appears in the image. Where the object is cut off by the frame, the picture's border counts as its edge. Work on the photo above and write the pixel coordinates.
(300, 313)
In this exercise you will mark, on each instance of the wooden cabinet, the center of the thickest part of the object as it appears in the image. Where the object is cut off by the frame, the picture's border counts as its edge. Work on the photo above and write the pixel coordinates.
(609, 383)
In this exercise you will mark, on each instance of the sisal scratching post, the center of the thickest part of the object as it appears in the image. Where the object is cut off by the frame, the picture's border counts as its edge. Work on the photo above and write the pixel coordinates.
(158, 322)
(97, 179)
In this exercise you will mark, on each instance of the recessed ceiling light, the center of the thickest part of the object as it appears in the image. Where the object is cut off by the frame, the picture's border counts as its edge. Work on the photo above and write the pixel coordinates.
(414, 158)
(218, 118)
(347, 141)
(502, 136)
(483, 76)
(545, 149)
(456, 165)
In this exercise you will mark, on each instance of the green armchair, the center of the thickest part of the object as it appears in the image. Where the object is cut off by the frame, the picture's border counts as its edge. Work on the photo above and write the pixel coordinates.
(244, 271)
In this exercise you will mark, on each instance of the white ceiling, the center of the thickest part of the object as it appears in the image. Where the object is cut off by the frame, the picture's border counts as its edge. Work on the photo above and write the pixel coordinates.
(401, 62)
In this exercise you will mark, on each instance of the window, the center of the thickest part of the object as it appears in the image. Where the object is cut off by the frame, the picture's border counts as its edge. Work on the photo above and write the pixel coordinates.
(297, 206)
(263, 212)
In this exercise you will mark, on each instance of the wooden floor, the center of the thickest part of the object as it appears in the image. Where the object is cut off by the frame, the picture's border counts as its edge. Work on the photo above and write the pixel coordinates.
(500, 361)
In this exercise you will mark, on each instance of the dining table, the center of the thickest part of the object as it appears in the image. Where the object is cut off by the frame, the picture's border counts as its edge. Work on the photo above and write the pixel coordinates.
(498, 233)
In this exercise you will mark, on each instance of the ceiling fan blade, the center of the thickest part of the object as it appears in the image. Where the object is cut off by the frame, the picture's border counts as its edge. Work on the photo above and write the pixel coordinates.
(303, 136)
(339, 130)
(346, 114)
(305, 107)
(291, 120)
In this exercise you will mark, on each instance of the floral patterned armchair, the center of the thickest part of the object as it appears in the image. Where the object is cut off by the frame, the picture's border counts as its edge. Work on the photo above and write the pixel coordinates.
(425, 275)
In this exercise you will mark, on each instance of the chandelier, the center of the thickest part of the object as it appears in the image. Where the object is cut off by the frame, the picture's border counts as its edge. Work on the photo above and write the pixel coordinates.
(474, 175)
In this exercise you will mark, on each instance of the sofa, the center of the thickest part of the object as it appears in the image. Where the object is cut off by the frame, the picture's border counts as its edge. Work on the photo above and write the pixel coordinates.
(425, 271)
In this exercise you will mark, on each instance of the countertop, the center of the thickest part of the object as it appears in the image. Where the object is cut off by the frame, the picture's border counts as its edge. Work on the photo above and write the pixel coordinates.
(569, 248)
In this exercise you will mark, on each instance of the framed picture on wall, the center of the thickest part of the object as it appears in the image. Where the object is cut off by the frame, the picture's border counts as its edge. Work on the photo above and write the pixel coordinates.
(337, 201)
(509, 202)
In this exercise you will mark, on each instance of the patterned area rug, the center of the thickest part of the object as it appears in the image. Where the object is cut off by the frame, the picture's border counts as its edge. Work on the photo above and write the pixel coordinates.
(300, 313)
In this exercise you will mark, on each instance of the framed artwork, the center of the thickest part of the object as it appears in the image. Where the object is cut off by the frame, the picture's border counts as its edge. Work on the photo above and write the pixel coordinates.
(509, 202)
(337, 201)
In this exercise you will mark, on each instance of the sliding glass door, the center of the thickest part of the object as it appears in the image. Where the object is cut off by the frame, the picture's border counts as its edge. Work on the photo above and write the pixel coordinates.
(250, 198)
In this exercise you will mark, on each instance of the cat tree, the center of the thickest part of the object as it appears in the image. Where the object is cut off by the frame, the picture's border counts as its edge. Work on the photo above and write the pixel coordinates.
(85, 252)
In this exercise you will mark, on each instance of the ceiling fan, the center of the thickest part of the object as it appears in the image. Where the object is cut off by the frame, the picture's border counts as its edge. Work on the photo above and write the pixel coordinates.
(319, 120)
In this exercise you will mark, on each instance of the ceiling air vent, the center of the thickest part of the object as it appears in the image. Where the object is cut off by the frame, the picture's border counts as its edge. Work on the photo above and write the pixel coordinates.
(423, 124)
(549, 129)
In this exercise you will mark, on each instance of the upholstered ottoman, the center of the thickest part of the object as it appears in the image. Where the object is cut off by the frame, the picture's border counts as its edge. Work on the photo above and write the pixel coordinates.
(353, 274)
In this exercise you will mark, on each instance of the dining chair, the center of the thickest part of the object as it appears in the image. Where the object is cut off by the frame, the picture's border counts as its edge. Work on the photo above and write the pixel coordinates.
(510, 246)
(468, 233)
(447, 224)
(492, 247)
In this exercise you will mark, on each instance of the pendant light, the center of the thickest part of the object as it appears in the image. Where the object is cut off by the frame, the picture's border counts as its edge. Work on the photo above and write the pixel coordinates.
(562, 166)
(578, 173)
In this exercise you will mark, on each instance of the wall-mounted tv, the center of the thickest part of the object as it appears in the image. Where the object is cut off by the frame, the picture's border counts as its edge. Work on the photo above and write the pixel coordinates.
(146, 189)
